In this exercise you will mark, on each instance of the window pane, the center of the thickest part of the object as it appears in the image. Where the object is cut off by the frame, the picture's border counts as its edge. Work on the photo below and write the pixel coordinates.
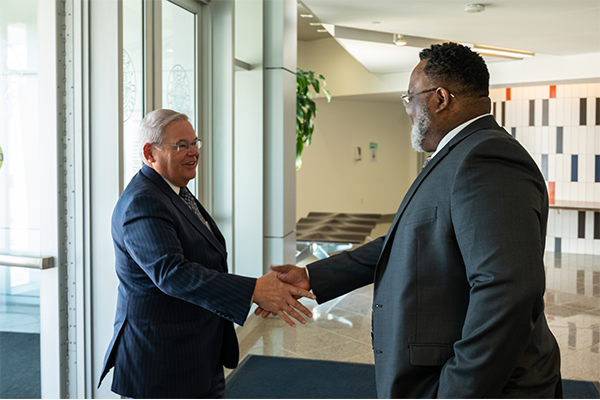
(179, 60)
(20, 197)
(179, 71)
(133, 85)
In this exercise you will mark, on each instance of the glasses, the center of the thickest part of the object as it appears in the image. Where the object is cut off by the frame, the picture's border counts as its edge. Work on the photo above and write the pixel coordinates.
(406, 98)
(182, 144)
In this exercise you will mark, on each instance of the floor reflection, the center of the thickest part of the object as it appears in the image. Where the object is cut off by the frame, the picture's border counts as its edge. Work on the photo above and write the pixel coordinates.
(340, 329)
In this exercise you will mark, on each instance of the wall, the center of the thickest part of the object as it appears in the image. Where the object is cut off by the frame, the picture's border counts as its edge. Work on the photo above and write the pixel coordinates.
(331, 180)
(328, 169)
(560, 126)
(346, 76)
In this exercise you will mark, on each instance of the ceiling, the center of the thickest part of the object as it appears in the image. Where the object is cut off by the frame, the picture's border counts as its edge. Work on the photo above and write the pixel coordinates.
(562, 28)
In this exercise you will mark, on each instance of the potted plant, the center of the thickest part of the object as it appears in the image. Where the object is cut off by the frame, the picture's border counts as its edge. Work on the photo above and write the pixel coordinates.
(306, 109)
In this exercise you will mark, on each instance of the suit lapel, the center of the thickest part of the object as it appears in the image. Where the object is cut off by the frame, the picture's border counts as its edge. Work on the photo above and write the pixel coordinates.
(215, 239)
(482, 123)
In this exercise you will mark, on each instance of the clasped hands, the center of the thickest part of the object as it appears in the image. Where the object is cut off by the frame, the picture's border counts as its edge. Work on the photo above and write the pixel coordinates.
(278, 292)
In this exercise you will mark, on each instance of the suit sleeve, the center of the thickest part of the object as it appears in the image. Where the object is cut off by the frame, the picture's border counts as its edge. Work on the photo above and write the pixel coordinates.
(344, 272)
(499, 210)
(151, 239)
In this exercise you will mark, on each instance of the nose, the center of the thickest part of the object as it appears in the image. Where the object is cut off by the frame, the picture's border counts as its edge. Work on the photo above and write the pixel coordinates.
(193, 152)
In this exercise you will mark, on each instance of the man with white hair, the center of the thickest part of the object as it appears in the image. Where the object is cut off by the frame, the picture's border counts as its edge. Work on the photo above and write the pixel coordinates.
(177, 303)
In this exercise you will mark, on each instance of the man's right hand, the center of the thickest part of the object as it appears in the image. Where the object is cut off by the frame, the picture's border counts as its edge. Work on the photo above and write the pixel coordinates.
(291, 274)
(280, 298)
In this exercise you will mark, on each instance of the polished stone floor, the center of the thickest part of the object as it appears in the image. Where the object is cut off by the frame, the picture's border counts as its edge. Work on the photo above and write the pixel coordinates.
(340, 328)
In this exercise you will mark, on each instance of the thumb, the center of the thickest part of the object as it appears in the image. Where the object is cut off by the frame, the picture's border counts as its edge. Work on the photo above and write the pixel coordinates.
(279, 268)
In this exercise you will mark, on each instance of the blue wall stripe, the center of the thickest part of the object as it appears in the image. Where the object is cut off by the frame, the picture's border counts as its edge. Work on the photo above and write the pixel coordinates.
(557, 245)
(597, 168)
(574, 160)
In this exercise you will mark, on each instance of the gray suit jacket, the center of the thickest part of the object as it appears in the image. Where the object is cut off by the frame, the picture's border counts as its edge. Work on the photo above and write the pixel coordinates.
(458, 307)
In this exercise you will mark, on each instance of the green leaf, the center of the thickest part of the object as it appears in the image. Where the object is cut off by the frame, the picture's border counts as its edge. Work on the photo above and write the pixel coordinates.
(307, 86)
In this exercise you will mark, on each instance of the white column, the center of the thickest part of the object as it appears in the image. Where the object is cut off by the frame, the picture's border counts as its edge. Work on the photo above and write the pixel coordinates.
(280, 39)
(248, 139)
(105, 138)
(221, 140)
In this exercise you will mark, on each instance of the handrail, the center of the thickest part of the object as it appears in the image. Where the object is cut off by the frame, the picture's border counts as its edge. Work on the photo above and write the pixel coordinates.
(13, 260)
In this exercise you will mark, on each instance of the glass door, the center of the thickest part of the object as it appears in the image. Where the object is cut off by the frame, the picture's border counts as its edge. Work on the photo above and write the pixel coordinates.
(24, 165)
(133, 84)
(160, 68)
(179, 60)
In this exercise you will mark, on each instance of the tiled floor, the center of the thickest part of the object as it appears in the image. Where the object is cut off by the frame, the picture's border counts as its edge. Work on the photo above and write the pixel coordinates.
(340, 328)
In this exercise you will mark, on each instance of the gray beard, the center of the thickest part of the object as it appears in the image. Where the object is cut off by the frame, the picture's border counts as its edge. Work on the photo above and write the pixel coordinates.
(417, 134)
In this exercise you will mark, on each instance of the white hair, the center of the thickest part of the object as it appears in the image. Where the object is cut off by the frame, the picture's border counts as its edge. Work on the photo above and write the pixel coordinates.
(153, 125)
(419, 129)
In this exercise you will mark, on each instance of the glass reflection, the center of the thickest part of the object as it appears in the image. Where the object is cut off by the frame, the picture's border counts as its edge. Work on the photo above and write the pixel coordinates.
(133, 85)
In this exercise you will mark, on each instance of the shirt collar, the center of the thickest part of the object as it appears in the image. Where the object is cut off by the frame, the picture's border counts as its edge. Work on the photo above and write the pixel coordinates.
(175, 188)
(446, 139)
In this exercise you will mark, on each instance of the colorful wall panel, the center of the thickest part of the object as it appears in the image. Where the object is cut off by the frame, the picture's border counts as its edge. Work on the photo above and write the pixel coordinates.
(560, 127)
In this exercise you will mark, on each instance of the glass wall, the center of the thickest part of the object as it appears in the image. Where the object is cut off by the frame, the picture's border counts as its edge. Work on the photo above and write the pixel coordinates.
(176, 59)
(133, 84)
(179, 60)
(21, 203)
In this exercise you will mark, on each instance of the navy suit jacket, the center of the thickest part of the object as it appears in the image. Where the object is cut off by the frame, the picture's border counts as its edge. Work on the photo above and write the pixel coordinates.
(176, 302)
(458, 308)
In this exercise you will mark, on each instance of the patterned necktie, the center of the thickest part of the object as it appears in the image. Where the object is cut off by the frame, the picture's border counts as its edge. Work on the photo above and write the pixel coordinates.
(427, 161)
(187, 196)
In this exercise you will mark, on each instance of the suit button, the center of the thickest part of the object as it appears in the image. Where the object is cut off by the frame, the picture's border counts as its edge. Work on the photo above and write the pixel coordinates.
(378, 306)
(378, 351)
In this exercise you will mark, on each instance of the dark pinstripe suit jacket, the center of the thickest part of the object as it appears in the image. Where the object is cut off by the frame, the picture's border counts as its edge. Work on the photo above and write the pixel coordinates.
(458, 307)
(176, 302)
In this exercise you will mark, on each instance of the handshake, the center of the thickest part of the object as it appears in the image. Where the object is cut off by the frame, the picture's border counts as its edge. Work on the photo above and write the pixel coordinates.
(278, 292)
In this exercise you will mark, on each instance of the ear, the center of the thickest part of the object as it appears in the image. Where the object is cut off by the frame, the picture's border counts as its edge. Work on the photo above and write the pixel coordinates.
(443, 97)
(147, 152)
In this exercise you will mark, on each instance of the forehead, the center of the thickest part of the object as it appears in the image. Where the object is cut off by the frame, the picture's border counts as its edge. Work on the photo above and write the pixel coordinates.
(179, 130)
(418, 77)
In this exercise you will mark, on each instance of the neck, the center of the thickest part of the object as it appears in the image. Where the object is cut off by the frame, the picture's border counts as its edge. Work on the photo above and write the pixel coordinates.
(466, 111)
(453, 118)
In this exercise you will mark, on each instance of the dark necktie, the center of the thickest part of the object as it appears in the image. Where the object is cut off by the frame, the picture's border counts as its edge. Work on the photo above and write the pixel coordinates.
(187, 196)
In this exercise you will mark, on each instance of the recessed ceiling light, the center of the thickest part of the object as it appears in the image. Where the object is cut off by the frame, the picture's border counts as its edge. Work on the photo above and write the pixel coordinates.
(306, 15)
(314, 23)
(474, 8)
(321, 30)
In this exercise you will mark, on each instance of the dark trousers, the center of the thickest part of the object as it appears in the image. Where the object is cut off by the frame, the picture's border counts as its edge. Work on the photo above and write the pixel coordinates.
(217, 389)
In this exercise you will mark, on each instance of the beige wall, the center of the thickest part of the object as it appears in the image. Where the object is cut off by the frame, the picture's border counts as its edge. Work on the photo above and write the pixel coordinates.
(331, 180)
(346, 76)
